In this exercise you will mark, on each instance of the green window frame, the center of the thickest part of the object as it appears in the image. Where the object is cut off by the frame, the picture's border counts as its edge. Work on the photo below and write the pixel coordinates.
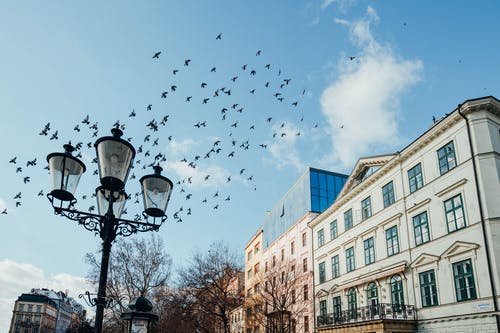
(421, 228)
(397, 294)
(428, 289)
(334, 232)
(455, 215)
(415, 178)
(369, 246)
(322, 308)
(335, 266)
(388, 194)
(349, 259)
(447, 159)
(322, 272)
(366, 208)
(348, 220)
(321, 237)
(337, 306)
(352, 304)
(463, 275)
(391, 237)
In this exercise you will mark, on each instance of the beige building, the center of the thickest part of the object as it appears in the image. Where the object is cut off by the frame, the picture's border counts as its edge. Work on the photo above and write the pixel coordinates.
(253, 260)
(412, 242)
(33, 313)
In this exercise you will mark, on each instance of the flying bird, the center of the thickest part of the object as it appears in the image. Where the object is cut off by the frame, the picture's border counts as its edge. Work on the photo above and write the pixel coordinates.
(219, 37)
(157, 55)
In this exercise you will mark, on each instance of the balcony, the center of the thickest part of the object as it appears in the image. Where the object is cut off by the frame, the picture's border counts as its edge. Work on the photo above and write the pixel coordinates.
(378, 312)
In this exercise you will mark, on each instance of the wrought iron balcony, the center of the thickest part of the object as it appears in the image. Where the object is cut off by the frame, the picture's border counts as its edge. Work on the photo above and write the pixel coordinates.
(368, 313)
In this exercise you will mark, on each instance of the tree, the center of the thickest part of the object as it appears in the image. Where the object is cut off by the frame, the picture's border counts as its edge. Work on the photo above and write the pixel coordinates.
(207, 284)
(279, 302)
(138, 267)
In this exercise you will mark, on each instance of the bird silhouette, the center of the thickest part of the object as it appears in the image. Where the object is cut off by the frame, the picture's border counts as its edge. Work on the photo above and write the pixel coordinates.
(186, 62)
(4, 212)
(219, 37)
(157, 55)
(13, 160)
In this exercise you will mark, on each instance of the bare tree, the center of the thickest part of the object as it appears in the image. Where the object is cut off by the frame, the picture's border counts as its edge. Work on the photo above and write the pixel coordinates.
(138, 267)
(279, 302)
(207, 282)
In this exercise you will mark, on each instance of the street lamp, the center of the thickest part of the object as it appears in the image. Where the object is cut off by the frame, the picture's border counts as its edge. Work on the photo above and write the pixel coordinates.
(114, 157)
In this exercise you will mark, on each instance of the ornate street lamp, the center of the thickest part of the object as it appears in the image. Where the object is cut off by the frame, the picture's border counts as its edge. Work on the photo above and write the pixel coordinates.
(115, 157)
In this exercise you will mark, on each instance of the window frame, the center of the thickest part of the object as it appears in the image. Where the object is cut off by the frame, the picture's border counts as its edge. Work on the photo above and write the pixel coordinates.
(348, 222)
(335, 266)
(369, 250)
(453, 210)
(388, 196)
(390, 236)
(426, 286)
(322, 272)
(445, 163)
(334, 230)
(470, 283)
(366, 208)
(350, 260)
(321, 237)
(419, 224)
(415, 179)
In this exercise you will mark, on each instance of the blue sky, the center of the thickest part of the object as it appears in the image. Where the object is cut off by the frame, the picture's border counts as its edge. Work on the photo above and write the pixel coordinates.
(367, 76)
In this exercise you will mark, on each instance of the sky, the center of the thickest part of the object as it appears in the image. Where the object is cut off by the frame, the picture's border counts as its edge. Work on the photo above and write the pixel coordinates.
(325, 83)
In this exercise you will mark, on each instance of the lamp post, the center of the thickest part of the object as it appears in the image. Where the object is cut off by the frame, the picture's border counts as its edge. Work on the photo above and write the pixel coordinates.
(114, 157)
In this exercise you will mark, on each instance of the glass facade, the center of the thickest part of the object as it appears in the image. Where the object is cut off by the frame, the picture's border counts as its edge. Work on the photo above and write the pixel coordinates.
(315, 191)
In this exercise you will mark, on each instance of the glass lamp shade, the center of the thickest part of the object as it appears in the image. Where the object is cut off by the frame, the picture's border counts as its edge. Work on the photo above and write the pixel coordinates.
(103, 198)
(156, 190)
(65, 172)
(115, 157)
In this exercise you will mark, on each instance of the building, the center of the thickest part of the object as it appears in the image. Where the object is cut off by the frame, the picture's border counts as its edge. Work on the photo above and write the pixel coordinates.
(44, 310)
(278, 257)
(33, 313)
(414, 237)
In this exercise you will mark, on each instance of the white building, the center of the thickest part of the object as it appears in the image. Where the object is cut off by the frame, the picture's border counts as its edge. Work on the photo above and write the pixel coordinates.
(413, 239)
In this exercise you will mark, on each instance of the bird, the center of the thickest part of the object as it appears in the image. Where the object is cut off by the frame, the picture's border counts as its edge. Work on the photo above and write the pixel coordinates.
(86, 120)
(18, 203)
(258, 53)
(40, 194)
(13, 160)
(132, 114)
(188, 99)
(244, 67)
(219, 37)
(157, 55)
(186, 62)
(17, 196)
(149, 107)
(76, 128)
(31, 163)
(213, 70)
(253, 72)
(4, 212)
(241, 171)
(54, 136)
(352, 58)
(45, 129)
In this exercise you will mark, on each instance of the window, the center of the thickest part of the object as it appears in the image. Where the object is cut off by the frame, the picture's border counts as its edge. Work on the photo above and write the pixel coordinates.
(415, 178)
(391, 236)
(293, 296)
(335, 266)
(352, 305)
(333, 230)
(349, 256)
(256, 248)
(304, 265)
(337, 308)
(266, 266)
(304, 239)
(306, 323)
(274, 261)
(321, 237)
(421, 228)
(372, 297)
(366, 208)
(446, 158)
(306, 292)
(38, 308)
(20, 307)
(322, 308)
(454, 210)
(282, 254)
(348, 220)
(369, 251)
(322, 272)
(397, 296)
(388, 194)
(256, 269)
(249, 292)
(30, 307)
(249, 274)
(292, 248)
(464, 280)
(249, 255)
(428, 290)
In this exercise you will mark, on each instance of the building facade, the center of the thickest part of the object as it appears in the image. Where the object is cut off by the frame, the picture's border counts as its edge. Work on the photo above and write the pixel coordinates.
(412, 241)
(253, 260)
(33, 313)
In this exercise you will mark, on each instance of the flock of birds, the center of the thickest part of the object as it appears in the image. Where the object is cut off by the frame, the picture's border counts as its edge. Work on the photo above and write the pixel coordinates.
(224, 112)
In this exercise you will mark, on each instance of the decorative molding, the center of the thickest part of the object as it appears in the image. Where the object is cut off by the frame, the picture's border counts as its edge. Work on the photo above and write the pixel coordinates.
(321, 293)
(375, 275)
(418, 205)
(321, 256)
(390, 219)
(451, 187)
(369, 231)
(458, 248)
(333, 288)
(424, 259)
(335, 249)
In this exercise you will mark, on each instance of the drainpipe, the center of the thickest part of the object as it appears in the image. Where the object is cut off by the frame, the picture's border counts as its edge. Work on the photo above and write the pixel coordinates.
(481, 214)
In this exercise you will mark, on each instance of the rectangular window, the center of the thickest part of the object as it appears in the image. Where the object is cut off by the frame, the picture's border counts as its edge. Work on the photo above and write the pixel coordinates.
(335, 266)
(282, 254)
(349, 258)
(304, 239)
(38, 308)
(322, 272)
(306, 323)
(454, 210)
(322, 308)
(306, 292)
(292, 247)
(428, 290)
(421, 228)
(304, 265)
(249, 274)
(464, 280)
(446, 158)
(321, 237)
(249, 255)
(415, 178)
(30, 307)
(348, 220)
(266, 266)
(366, 208)
(369, 251)
(293, 296)
(20, 307)
(334, 232)
(256, 268)
(337, 307)
(256, 248)
(388, 194)
(391, 236)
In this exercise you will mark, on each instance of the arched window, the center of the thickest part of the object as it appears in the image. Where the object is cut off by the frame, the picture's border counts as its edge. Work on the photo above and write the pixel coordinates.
(372, 298)
(352, 305)
(397, 295)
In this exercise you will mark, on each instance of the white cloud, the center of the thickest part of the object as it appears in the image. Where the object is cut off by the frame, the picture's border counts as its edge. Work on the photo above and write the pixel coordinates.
(17, 278)
(283, 148)
(3, 205)
(180, 148)
(362, 105)
(342, 4)
(198, 174)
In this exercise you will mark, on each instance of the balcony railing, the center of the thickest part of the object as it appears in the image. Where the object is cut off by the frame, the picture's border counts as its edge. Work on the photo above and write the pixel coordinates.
(368, 313)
